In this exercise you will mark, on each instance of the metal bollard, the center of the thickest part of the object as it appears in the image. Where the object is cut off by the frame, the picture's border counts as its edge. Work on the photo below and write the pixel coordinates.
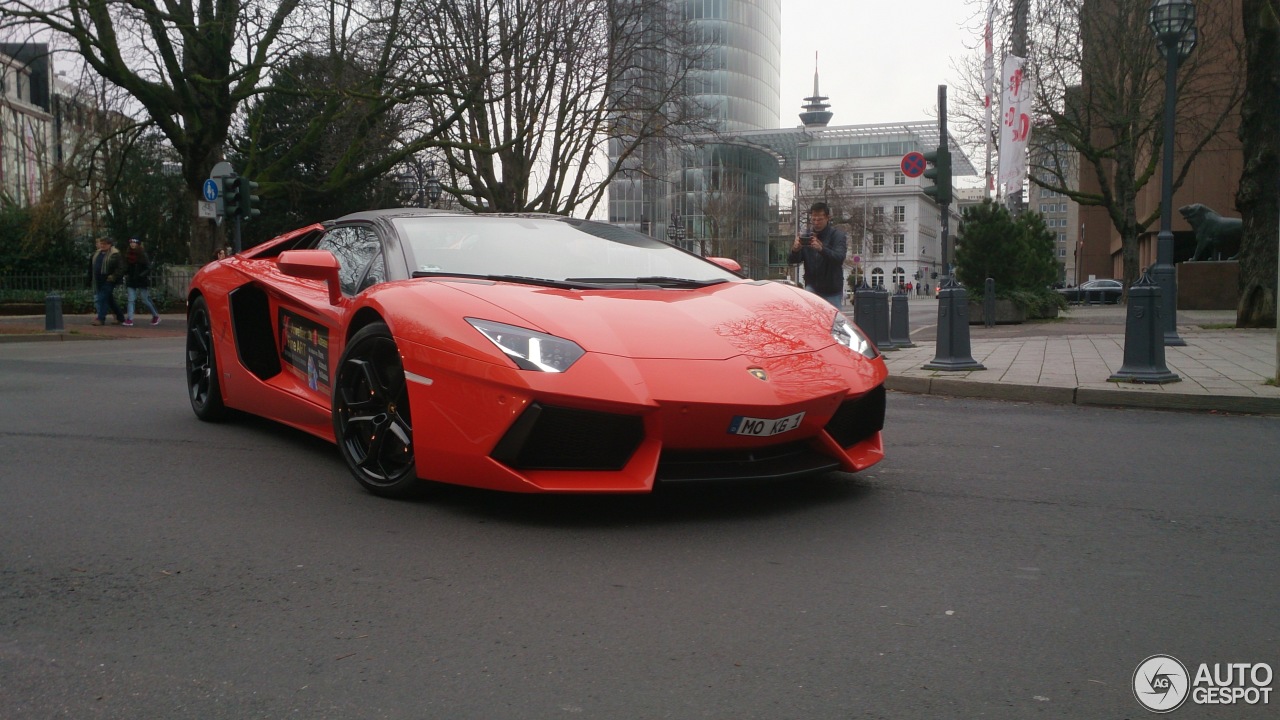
(865, 314)
(53, 312)
(1144, 337)
(880, 333)
(952, 351)
(900, 322)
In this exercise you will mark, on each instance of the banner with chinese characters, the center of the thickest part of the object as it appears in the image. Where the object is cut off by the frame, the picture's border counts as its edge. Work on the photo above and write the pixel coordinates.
(1015, 124)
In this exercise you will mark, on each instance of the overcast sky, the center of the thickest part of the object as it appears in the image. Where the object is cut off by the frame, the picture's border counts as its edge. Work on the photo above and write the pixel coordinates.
(879, 61)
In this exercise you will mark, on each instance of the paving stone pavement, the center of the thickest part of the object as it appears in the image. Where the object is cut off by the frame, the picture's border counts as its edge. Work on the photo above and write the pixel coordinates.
(1070, 360)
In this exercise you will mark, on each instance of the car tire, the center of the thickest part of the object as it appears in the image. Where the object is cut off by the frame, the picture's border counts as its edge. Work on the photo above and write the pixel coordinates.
(202, 365)
(371, 420)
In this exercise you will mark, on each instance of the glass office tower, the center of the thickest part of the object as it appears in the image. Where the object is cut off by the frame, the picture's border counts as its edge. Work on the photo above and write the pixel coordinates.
(717, 192)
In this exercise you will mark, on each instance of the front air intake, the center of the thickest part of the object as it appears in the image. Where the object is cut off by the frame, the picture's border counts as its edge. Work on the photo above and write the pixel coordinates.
(859, 418)
(554, 438)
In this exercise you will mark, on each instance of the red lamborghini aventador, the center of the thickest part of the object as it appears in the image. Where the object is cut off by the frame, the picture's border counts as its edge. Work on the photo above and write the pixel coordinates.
(530, 354)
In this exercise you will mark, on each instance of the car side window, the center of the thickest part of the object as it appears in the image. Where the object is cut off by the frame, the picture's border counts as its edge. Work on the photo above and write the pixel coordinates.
(359, 255)
(376, 273)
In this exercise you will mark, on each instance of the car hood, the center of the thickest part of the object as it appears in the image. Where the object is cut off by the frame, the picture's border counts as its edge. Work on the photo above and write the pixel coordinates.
(754, 319)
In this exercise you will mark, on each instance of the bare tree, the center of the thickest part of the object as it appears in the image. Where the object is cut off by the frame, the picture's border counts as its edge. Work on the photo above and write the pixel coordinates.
(1097, 80)
(544, 86)
(1259, 194)
(724, 209)
(187, 63)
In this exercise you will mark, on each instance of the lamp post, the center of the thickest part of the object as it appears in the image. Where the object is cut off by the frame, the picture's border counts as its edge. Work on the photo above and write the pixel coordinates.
(432, 184)
(1173, 22)
(675, 230)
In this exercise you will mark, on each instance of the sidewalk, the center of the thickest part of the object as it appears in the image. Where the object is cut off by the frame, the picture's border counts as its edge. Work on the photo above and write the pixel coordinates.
(1059, 361)
(30, 328)
(1069, 360)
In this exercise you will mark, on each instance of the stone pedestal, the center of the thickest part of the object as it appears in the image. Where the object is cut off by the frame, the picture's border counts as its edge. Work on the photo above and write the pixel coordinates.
(1208, 285)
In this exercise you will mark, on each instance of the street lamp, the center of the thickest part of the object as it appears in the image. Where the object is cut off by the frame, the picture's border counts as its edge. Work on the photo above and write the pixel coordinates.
(675, 230)
(432, 184)
(1173, 22)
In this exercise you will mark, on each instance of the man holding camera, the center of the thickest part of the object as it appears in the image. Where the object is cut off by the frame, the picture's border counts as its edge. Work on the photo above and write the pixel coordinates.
(822, 249)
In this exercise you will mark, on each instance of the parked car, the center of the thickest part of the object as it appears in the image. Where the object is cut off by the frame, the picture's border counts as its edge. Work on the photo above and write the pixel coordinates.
(1094, 291)
(530, 353)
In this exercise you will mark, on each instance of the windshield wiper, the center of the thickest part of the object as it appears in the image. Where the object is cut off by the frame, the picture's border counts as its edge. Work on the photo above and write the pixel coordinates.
(659, 280)
(569, 284)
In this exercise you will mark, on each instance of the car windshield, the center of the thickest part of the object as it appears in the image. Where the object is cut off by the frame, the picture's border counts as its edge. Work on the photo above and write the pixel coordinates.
(547, 249)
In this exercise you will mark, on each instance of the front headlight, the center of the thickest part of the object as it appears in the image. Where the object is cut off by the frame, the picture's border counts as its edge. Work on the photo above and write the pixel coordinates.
(848, 335)
(530, 349)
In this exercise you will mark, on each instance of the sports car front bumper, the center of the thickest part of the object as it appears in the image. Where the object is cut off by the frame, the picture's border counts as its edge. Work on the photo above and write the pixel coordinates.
(615, 424)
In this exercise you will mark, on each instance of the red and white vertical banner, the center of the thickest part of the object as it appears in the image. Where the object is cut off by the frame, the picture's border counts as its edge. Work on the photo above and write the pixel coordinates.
(1015, 124)
(988, 86)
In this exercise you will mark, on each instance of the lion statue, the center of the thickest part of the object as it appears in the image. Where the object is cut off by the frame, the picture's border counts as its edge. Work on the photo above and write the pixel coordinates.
(1214, 233)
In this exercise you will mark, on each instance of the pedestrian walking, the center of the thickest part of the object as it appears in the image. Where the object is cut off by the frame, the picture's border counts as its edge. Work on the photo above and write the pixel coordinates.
(106, 268)
(822, 249)
(137, 281)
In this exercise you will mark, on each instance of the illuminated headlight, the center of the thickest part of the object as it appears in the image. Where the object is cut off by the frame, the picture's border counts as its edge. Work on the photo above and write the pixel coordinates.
(848, 335)
(530, 349)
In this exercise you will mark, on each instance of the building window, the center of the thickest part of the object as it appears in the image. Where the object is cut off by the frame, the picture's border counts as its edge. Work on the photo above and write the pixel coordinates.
(877, 244)
(877, 179)
(899, 213)
(877, 278)
(899, 178)
(857, 179)
(899, 243)
(836, 181)
(816, 182)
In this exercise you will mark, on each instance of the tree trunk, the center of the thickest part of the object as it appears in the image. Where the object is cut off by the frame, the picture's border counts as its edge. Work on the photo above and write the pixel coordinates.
(1259, 196)
(1124, 207)
(206, 235)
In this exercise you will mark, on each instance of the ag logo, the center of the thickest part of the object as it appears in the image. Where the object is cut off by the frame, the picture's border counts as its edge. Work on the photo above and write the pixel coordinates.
(1161, 683)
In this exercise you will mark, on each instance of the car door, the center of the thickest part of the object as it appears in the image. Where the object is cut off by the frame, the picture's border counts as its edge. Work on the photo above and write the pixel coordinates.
(310, 328)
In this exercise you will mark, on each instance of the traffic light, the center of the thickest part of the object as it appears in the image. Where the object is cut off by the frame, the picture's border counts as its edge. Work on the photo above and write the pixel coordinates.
(939, 171)
(248, 200)
(232, 201)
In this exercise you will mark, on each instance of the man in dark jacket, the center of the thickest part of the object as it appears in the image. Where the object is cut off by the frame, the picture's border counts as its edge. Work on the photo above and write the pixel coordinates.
(822, 253)
(106, 268)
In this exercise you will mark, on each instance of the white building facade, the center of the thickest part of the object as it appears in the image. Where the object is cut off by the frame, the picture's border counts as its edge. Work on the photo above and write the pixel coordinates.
(857, 170)
(26, 123)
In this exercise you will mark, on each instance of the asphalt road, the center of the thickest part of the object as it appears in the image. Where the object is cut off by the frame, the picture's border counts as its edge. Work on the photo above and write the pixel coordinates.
(1005, 561)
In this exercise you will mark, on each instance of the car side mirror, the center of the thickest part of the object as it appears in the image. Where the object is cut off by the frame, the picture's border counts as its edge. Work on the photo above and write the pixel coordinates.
(727, 263)
(313, 265)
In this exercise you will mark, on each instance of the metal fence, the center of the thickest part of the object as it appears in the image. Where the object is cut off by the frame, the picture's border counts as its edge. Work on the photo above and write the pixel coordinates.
(168, 289)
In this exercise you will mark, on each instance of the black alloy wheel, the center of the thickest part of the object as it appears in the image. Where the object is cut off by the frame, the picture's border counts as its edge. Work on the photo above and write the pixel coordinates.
(371, 419)
(202, 365)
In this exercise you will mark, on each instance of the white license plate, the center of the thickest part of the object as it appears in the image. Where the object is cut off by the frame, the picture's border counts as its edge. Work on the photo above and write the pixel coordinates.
(762, 427)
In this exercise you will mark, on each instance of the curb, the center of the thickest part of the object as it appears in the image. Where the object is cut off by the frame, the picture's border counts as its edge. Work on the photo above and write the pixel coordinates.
(50, 336)
(1091, 397)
